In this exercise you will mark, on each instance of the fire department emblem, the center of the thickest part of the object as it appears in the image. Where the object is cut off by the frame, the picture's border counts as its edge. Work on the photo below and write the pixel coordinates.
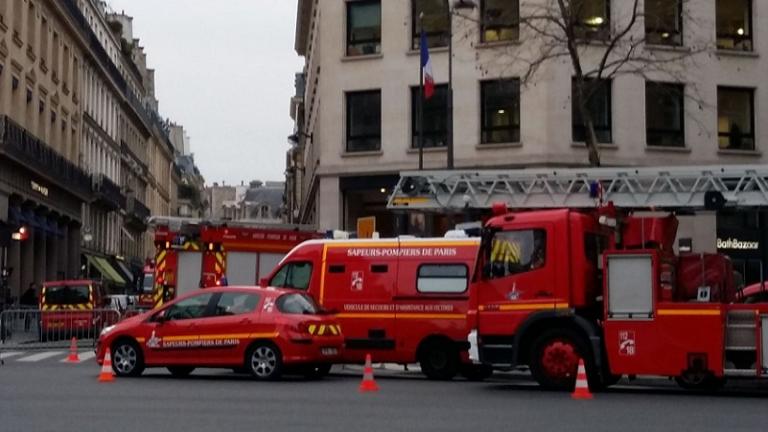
(153, 341)
(357, 281)
(627, 343)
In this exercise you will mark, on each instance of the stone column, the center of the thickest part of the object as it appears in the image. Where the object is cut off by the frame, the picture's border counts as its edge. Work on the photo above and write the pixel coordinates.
(63, 250)
(27, 268)
(73, 268)
(51, 257)
(40, 256)
(14, 262)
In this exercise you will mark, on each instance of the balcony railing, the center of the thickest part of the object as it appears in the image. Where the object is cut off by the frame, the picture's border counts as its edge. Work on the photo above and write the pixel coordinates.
(137, 211)
(37, 156)
(109, 193)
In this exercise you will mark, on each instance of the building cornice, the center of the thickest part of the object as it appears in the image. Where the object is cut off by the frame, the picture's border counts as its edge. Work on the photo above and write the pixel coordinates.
(303, 20)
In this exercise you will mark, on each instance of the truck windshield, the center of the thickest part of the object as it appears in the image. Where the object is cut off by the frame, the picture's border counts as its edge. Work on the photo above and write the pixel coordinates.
(294, 275)
(149, 283)
(66, 294)
(297, 304)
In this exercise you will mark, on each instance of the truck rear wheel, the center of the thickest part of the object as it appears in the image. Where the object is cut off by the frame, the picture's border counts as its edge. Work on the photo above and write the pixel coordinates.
(555, 359)
(439, 360)
(700, 381)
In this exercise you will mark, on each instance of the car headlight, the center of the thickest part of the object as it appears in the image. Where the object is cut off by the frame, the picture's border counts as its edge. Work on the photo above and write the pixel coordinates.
(106, 330)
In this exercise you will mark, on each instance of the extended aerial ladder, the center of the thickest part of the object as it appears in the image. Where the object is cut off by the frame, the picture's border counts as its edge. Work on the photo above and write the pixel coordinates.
(665, 188)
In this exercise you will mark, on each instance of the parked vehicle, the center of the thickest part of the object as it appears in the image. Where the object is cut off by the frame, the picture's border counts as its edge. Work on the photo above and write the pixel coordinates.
(607, 287)
(401, 300)
(197, 253)
(262, 331)
(72, 308)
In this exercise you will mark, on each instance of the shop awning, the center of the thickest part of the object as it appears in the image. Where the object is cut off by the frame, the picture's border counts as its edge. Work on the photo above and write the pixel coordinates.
(122, 269)
(106, 269)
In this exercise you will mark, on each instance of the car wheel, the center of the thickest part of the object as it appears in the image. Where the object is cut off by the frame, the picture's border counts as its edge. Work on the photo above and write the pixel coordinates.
(127, 359)
(316, 371)
(264, 361)
(439, 360)
(180, 371)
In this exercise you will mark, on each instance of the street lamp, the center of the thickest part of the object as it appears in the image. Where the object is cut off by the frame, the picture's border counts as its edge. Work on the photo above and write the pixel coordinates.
(457, 5)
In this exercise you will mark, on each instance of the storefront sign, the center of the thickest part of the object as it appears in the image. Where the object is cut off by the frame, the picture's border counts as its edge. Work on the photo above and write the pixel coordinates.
(42, 190)
(737, 244)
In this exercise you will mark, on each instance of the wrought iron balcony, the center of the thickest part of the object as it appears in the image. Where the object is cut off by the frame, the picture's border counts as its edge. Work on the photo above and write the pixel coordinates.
(26, 149)
(137, 212)
(108, 193)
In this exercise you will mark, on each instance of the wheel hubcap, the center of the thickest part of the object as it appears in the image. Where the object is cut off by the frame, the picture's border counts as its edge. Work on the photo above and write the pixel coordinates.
(125, 358)
(263, 361)
(560, 360)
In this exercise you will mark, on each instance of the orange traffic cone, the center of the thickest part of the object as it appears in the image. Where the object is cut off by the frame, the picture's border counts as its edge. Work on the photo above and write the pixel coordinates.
(582, 387)
(368, 384)
(73, 357)
(107, 375)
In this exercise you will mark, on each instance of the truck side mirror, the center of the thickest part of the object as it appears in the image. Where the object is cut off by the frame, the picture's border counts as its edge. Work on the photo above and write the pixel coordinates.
(263, 282)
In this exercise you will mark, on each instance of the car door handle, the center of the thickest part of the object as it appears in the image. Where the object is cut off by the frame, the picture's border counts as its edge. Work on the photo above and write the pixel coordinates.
(245, 321)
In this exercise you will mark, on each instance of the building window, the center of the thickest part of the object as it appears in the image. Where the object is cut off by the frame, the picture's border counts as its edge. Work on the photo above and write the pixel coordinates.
(363, 27)
(592, 19)
(734, 24)
(598, 101)
(664, 114)
(664, 22)
(435, 118)
(736, 118)
(436, 22)
(500, 20)
(500, 111)
(364, 121)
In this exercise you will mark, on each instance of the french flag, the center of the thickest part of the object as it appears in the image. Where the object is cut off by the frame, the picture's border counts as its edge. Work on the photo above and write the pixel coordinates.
(426, 67)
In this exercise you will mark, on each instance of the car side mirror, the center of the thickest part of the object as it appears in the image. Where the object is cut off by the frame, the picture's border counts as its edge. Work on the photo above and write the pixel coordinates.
(160, 317)
(263, 282)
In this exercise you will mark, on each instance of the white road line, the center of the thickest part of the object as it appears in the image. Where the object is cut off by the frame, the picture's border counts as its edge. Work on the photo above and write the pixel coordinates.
(40, 356)
(9, 354)
(83, 356)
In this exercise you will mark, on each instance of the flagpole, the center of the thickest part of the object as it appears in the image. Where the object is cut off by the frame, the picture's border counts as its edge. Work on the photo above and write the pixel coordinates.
(421, 98)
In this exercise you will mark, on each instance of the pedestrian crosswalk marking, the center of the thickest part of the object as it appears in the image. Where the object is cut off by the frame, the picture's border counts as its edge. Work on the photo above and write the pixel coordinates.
(83, 356)
(9, 354)
(40, 356)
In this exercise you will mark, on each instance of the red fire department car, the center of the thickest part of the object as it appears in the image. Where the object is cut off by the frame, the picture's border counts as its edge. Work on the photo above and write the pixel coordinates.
(262, 331)
(402, 300)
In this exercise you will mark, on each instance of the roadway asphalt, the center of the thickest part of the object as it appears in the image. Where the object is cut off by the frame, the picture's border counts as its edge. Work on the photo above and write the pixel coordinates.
(48, 395)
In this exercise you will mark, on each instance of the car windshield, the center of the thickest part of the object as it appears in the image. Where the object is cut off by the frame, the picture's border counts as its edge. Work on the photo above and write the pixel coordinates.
(66, 294)
(297, 304)
(149, 283)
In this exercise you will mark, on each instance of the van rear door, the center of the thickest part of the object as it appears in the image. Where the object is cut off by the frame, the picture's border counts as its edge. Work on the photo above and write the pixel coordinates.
(433, 291)
(359, 282)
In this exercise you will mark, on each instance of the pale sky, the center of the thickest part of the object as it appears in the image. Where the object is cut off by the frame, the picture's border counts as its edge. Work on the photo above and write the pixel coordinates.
(224, 70)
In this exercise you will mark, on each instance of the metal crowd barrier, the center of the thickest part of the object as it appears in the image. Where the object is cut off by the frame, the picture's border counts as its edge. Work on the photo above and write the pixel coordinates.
(43, 329)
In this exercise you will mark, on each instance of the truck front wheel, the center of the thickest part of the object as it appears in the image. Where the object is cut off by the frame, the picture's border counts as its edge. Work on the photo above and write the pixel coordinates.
(555, 358)
(439, 360)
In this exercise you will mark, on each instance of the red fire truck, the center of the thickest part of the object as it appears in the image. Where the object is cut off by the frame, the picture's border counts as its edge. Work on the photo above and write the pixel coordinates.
(402, 300)
(593, 282)
(193, 253)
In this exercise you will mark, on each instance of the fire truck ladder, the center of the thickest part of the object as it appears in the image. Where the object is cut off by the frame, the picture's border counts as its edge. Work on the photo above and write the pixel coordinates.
(669, 188)
(175, 223)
